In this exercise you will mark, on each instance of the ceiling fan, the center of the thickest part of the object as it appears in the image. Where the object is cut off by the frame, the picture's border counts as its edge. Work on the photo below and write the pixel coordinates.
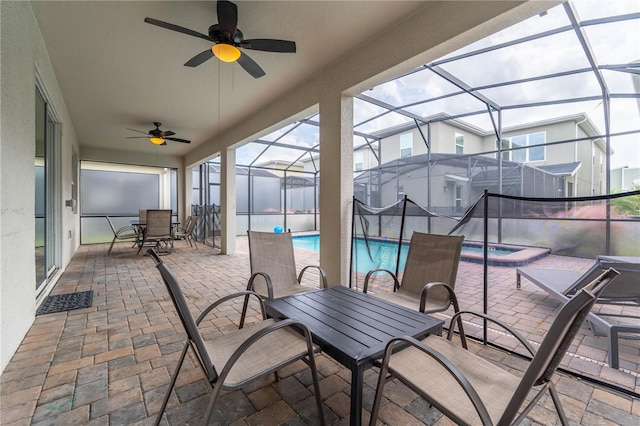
(227, 38)
(157, 136)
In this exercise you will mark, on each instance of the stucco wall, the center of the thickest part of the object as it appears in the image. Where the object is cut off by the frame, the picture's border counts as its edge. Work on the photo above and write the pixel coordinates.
(22, 52)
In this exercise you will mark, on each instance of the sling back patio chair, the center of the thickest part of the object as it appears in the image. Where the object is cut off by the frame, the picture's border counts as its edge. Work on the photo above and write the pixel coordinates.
(273, 266)
(470, 390)
(186, 233)
(429, 275)
(127, 233)
(157, 230)
(624, 291)
(242, 356)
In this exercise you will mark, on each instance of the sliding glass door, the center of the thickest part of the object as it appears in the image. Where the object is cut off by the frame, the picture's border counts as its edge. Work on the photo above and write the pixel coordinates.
(45, 188)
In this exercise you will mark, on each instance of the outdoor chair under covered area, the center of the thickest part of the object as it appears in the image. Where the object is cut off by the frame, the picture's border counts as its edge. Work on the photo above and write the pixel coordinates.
(187, 232)
(429, 275)
(157, 231)
(125, 233)
(472, 390)
(273, 266)
(233, 360)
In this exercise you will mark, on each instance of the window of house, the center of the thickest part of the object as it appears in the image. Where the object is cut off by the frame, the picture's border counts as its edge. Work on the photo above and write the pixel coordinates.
(406, 145)
(525, 148)
(459, 143)
(458, 200)
(358, 161)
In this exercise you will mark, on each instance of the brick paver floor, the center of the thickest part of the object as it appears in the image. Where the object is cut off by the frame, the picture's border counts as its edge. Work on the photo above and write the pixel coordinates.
(110, 364)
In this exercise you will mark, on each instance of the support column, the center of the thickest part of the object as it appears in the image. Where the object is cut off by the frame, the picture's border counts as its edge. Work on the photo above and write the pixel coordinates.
(228, 201)
(336, 185)
(185, 197)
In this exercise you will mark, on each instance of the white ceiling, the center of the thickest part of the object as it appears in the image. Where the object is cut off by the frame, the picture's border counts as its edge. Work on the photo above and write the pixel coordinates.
(116, 72)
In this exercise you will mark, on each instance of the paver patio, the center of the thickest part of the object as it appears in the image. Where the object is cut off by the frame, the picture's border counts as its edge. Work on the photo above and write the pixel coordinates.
(110, 364)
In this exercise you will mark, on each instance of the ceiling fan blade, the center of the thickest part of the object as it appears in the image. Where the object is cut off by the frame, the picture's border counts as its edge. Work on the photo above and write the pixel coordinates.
(250, 66)
(139, 131)
(199, 58)
(270, 45)
(227, 18)
(138, 137)
(177, 28)
(178, 140)
(167, 133)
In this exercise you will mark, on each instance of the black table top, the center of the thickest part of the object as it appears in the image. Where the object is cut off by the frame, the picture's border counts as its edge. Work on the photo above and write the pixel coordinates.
(350, 326)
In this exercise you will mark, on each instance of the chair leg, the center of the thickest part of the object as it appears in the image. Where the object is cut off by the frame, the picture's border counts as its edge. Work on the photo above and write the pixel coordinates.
(172, 384)
(558, 404)
(316, 386)
(245, 306)
(382, 379)
(212, 403)
(111, 246)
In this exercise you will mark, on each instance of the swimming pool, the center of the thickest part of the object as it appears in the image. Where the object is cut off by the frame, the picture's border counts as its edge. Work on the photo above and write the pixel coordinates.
(384, 254)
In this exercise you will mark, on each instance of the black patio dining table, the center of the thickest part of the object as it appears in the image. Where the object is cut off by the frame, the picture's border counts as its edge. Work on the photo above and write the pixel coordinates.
(353, 328)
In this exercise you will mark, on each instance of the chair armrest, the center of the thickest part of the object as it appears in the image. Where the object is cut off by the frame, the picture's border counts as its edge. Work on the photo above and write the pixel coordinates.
(323, 275)
(245, 294)
(453, 300)
(425, 294)
(267, 279)
(396, 283)
(466, 386)
(125, 230)
(496, 321)
(260, 334)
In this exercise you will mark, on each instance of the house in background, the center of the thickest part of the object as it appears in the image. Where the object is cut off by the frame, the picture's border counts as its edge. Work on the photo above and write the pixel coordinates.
(559, 157)
(625, 179)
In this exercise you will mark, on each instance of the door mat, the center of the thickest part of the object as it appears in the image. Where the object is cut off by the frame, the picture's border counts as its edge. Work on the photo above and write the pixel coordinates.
(66, 302)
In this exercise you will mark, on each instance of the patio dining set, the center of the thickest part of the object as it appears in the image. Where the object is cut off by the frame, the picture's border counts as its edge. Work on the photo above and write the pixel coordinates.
(394, 331)
(155, 228)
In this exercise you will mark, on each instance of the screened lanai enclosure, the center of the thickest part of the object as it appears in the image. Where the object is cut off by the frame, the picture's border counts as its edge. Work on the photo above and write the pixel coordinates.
(540, 120)
(549, 107)
(527, 142)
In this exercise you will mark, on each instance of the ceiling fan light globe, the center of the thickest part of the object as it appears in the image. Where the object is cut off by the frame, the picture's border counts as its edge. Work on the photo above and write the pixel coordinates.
(226, 52)
(157, 141)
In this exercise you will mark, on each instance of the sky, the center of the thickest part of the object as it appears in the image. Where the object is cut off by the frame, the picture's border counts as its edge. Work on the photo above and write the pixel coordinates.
(611, 43)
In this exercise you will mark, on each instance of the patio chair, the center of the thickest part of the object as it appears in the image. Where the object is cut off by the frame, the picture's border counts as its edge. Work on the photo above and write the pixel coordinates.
(121, 234)
(240, 357)
(273, 266)
(187, 232)
(625, 291)
(142, 215)
(157, 230)
(471, 390)
(429, 275)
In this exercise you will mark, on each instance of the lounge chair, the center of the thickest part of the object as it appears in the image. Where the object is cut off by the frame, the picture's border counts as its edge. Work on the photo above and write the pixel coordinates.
(429, 275)
(625, 290)
(233, 360)
(471, 390)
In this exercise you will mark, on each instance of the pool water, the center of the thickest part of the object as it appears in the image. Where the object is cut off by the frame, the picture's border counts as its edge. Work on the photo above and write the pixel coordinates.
(384, 254)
